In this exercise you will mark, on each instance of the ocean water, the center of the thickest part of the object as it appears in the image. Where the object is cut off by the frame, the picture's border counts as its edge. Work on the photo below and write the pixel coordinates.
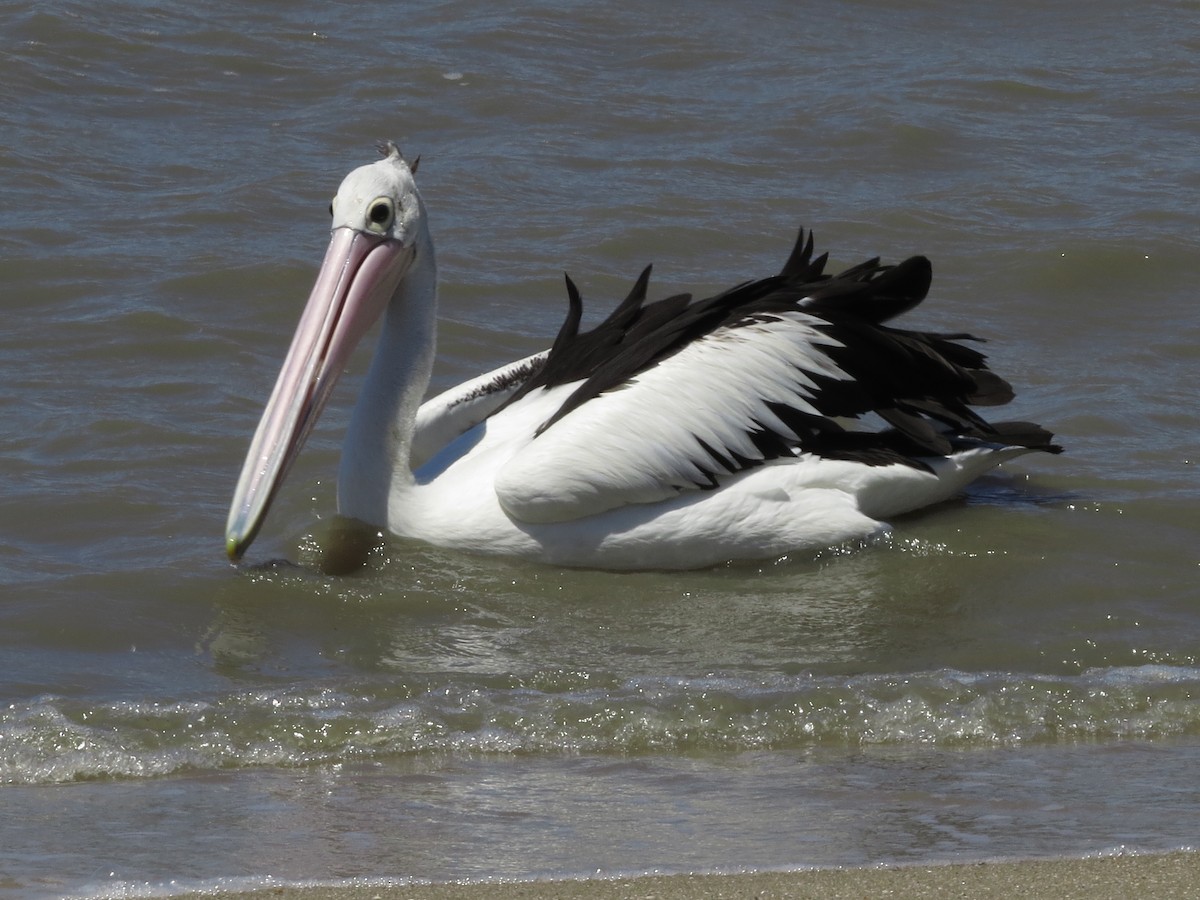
(1012, 674)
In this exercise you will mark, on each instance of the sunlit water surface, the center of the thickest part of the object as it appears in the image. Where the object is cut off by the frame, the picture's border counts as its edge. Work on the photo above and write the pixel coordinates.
(1012, 674)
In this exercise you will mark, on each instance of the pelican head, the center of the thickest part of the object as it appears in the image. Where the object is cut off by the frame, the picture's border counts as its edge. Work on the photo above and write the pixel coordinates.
(378, 223)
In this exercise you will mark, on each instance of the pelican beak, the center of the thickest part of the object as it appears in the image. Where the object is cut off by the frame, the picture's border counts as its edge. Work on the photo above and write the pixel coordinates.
(360, 274)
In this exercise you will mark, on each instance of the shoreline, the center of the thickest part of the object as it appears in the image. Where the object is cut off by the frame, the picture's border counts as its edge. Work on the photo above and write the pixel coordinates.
(1173, 874)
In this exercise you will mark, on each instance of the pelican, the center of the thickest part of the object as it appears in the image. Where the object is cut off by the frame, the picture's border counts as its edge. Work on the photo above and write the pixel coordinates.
(778, 416)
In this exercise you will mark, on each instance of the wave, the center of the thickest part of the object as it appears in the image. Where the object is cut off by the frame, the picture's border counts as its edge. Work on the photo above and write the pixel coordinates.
(54, 739)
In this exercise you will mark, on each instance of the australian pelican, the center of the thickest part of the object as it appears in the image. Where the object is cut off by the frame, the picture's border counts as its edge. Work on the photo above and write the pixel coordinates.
(675, 434)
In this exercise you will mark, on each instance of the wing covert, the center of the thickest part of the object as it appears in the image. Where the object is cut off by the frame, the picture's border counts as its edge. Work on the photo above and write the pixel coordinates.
(708, 410)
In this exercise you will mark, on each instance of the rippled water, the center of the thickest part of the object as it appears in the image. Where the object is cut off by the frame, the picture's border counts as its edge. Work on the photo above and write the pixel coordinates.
(1011, 674)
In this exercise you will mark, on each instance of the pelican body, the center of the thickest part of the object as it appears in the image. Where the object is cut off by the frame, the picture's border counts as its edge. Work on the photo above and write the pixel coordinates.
(676, 434)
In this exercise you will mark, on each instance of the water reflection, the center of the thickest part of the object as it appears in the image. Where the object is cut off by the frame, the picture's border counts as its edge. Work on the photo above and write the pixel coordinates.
(894, 606)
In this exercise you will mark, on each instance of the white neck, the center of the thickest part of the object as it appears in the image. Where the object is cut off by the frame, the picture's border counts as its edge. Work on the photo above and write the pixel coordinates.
(375, 456)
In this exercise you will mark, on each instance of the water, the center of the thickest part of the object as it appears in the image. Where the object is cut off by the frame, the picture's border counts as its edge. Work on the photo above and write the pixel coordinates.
(1013, 674)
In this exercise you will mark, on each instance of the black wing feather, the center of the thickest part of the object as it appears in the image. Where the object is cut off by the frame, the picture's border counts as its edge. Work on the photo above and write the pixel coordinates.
(922, 384)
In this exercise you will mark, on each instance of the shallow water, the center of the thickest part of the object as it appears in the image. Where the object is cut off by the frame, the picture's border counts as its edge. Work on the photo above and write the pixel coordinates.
(1011, 674)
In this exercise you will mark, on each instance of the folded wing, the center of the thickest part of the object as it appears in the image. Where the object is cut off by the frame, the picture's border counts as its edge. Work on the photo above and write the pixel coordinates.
(678, 396)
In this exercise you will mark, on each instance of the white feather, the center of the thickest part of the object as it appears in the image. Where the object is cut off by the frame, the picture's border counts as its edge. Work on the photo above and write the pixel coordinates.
(443, 418)
(641, 442)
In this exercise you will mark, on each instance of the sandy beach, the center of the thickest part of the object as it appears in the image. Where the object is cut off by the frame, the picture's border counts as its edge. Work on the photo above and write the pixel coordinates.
(1159, 876)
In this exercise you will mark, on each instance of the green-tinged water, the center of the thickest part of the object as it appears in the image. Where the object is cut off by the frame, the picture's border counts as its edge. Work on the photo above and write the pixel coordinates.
(1014, 673)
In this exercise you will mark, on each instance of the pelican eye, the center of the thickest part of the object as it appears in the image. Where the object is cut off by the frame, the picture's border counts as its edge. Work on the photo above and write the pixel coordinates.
(381, 213)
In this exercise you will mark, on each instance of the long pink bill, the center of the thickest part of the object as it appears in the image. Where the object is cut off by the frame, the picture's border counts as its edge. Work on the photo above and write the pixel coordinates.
(360, 274)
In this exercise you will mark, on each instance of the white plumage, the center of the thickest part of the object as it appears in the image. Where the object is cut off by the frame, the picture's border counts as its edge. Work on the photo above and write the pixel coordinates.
(642, 443)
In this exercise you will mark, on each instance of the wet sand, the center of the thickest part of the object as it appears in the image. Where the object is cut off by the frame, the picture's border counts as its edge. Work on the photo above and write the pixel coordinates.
(1160, 876)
